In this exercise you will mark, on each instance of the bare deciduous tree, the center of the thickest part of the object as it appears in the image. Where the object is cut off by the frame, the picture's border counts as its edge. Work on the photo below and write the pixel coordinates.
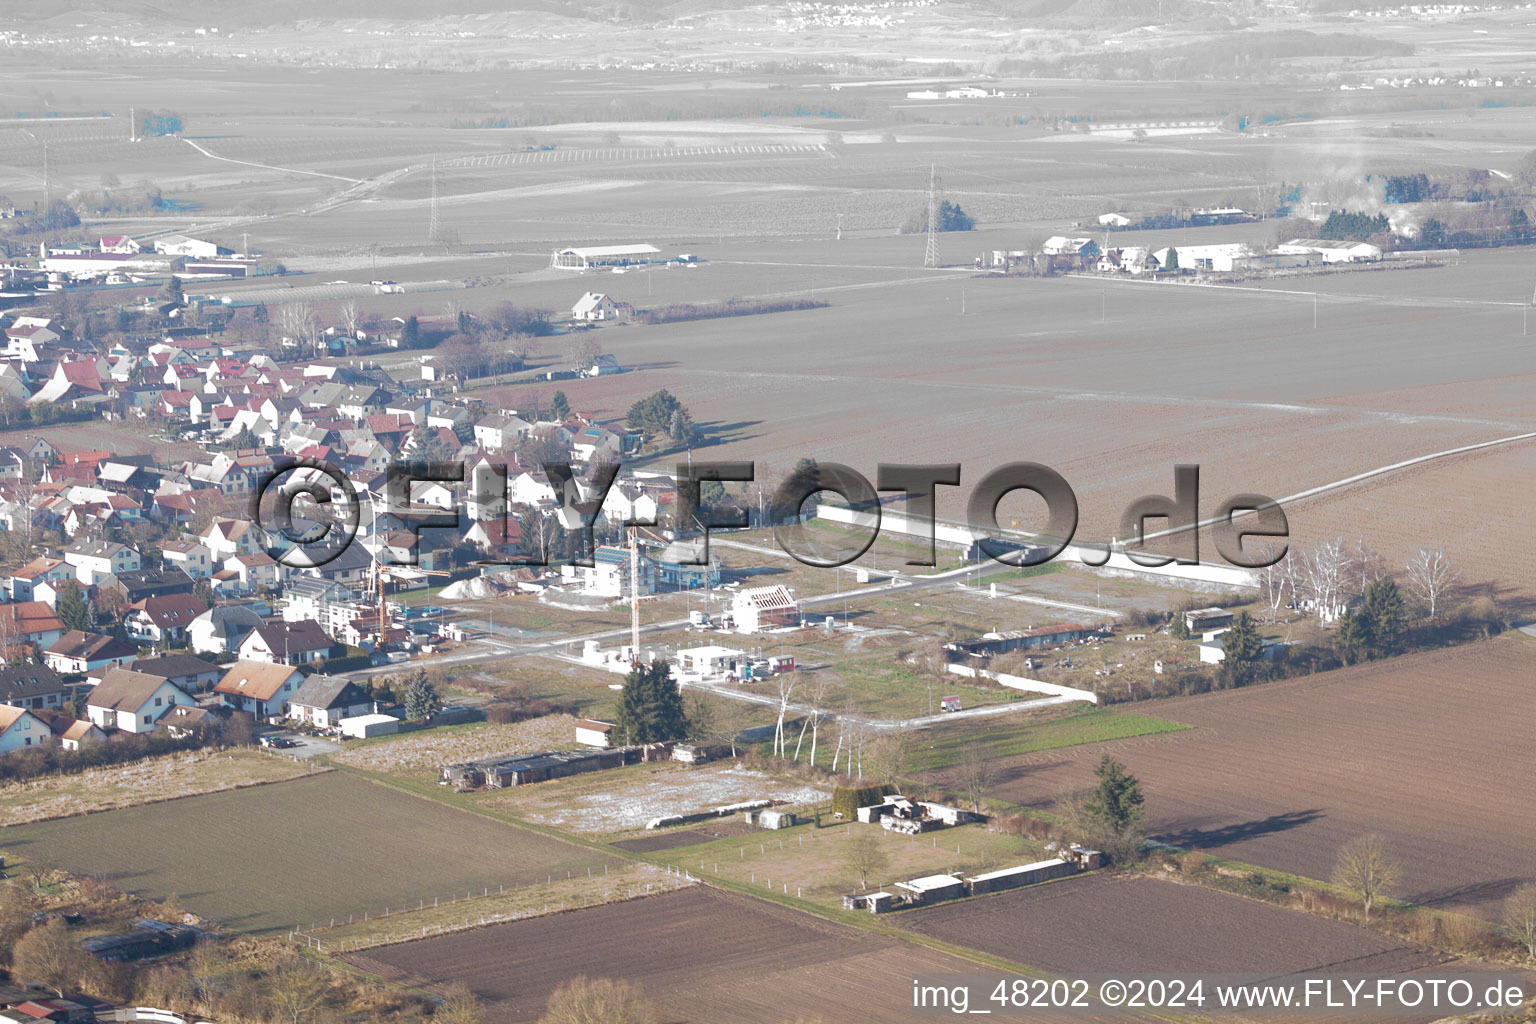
(976, 772)
(852, 734)
(1367, 869)
(297, 323)
(1520, 917)
(1275, 578)
(865, 855)
(295, 988)
(1365, 565)
(786, 683)
(350, 316)
(582, 349)
(584, 1000)
(50, 956)
(1430, 575)
(817, 699)
(1326, 570)
(890, 754)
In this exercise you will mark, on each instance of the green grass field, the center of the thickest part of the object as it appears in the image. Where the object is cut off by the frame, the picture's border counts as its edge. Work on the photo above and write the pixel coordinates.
(1001, 739)
(813, 863)
(286, 854)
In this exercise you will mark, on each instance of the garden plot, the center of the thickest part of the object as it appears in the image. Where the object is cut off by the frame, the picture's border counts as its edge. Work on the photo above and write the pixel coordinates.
(455, 744)
(666, 792)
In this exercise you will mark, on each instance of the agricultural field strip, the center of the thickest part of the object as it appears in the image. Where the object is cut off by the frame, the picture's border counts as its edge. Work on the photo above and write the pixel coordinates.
(1249, 782)
(1115, 397)
(1322, 296)
(393, 848)
(269, 167)
(550, 156)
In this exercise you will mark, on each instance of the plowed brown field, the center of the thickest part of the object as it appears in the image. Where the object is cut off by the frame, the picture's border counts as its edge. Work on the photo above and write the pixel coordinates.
(1431, 750)
(1108, 923)
(702, 955)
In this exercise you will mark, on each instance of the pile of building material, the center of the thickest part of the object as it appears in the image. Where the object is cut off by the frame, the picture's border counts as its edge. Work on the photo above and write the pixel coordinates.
(897, 813)
(476, 588)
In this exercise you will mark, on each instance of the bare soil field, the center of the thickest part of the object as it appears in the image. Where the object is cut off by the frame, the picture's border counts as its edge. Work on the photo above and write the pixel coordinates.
(1127, 923)
(703, 955)
(1282, 775)
(427, 751)
(272, 857)
(618, 801)
(1475, 506)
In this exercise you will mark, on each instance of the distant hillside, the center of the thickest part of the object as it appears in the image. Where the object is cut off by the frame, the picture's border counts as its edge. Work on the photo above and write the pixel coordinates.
(242, 14)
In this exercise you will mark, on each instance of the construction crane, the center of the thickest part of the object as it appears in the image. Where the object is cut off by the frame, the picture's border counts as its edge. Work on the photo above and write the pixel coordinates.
(634, 591)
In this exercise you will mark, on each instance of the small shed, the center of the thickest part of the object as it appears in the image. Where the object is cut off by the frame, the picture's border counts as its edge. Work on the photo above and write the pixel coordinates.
(932, 888)
(593, 733)
(776, 819)
(1198, 620)
(874, 902)
(361, 727)
(1023, 874)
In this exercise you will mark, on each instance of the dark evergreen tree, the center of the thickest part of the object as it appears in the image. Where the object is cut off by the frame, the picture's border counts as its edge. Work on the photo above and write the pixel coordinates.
(651, 706)
(72, 609)
(1382, 614)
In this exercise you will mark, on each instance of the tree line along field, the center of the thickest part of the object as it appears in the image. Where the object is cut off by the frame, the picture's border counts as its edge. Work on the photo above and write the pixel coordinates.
(703, 955)
(291, 853)
(1421, 749)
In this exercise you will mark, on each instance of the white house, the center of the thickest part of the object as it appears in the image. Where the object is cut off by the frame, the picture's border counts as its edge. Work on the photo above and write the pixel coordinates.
(602, 366)
(286, 643)
(609, 576)
(220, 630)
(42, 568)
(32, 686)
(500, 430)
(94, 559)
(121, 244)
(595, 306)
(259, 688)
(188, 555)
(20, 729)
(162, 619)
(323, 701)
(78, 652)
(133, 702)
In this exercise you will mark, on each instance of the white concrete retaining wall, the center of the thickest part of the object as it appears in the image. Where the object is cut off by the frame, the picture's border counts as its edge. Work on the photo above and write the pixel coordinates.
(1119, 563)
(1020, 683)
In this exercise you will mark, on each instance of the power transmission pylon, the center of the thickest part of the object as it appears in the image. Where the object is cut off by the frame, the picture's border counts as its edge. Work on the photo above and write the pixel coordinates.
(931, 254)
(434, 230)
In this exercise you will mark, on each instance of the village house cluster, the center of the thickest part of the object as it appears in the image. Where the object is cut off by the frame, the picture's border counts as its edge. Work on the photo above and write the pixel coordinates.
(1063, 253)
(142, 593)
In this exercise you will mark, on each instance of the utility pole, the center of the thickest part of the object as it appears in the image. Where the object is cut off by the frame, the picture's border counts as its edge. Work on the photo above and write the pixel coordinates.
(931, 254)
(433, 230)
(133, 125)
